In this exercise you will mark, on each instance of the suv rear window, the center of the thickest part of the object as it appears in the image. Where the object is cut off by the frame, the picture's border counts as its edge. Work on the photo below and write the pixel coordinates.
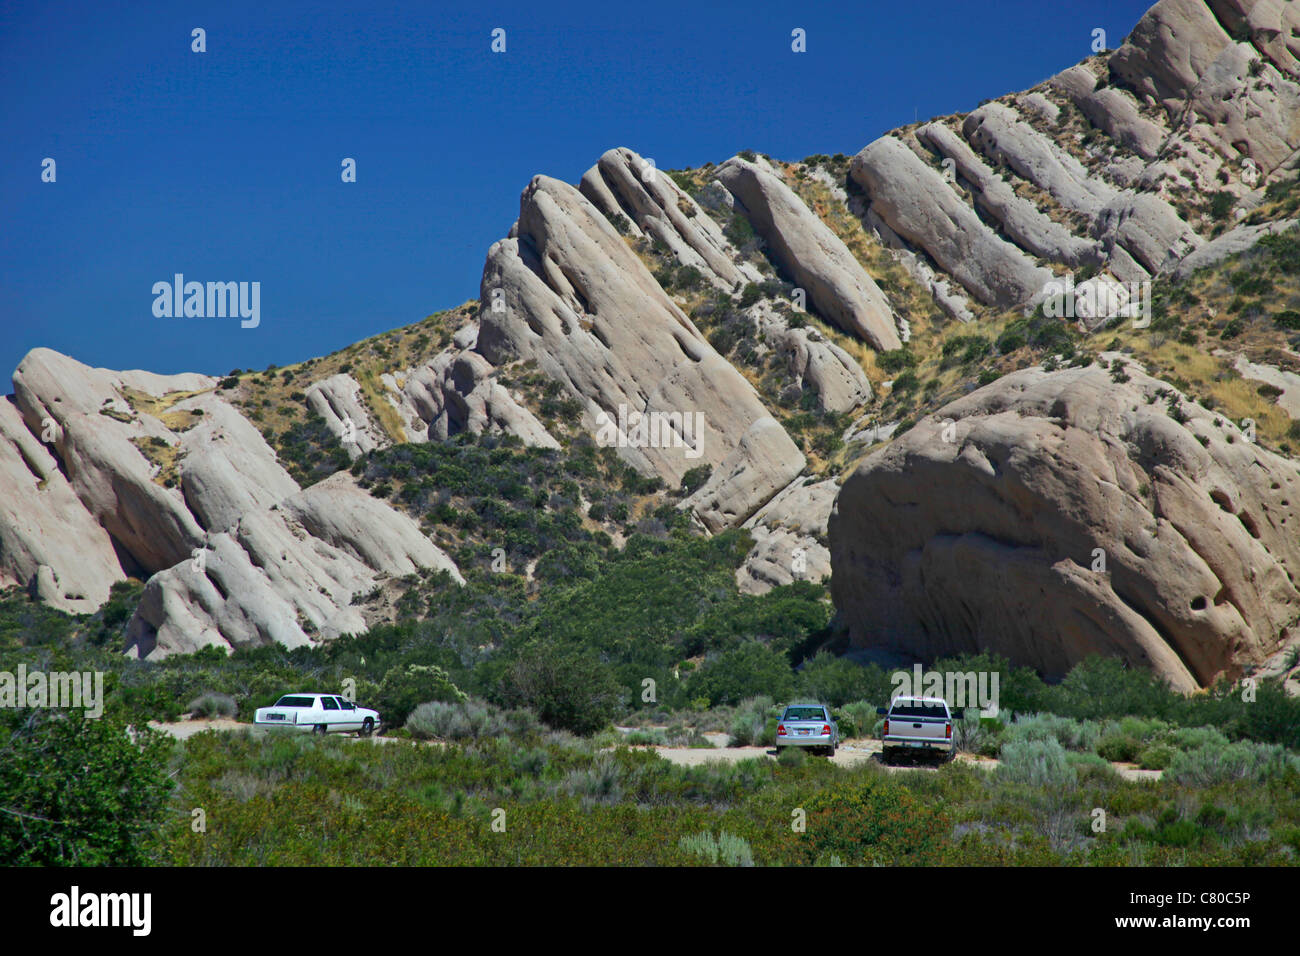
(804, 713)
(294, 702)
(916, 709)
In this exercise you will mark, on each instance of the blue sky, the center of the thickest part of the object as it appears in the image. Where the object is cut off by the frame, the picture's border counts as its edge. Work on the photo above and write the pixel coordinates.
(225, 165)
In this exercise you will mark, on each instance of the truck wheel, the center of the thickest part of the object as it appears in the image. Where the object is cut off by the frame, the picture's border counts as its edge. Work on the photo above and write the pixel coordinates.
(367, 727)
(886, 755)
(320, 729)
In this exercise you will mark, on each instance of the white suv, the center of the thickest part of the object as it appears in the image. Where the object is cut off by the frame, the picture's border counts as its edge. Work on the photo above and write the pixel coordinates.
(318, 713)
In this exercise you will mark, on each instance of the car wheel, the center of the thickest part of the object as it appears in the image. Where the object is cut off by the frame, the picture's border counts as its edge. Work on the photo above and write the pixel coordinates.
(367, 727)
(320, 729)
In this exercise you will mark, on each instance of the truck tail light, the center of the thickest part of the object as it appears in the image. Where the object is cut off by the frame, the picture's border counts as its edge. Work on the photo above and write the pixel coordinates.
(826, 730)
(886, 730)
(947, 730)
(780, 730)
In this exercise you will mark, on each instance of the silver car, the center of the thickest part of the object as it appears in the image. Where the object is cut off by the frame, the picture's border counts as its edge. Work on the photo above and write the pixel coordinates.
(808, 725)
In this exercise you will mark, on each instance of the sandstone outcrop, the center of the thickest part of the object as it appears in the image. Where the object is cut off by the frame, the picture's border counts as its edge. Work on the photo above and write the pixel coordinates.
(565, 290)
(1051, 515)
(838, 287)
(915, 202)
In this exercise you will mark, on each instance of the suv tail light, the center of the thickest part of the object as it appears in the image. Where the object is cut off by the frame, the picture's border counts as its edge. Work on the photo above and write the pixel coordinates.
(947, 729)
(780, 730)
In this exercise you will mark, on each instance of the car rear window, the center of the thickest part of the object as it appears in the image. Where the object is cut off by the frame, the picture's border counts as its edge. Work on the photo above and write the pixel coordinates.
(294, 702)
(804, 713)
(917, 709)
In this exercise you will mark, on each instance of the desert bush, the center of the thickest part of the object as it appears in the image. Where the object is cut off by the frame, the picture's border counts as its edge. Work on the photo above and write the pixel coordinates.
(792, 757)
(212, 705)
(1156, 757)
(1246, 760)
(1070, 734)
(1039, 763)
(754, 723)
(1189, 738)
(468, 720)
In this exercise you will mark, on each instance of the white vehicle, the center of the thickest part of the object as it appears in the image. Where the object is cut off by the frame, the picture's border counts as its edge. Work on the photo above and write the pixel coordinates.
(318, 713)
(917, 723)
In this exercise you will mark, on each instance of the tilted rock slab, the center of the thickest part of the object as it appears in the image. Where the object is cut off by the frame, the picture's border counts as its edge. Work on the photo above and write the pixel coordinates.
(112, 478)
(622, 183)
(338, 400)
(565, 290)
(1112, 110)
(915, 202)
(988, 541)
(816, 259)
(49, 542)
(1023, 222)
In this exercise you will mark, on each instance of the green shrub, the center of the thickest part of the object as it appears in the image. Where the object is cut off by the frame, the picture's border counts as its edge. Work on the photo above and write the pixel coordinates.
(1039, 763)
(407, 686)
(468, 720)
(791, 757)
(80, 792)
(1119, 748)
(567, 688)
(212, 705)
(747, 671)
(1156, 757)
(1246, 760)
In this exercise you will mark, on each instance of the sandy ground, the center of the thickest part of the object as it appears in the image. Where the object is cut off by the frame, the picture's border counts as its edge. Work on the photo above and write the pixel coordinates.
(850, 752)
(184, 729)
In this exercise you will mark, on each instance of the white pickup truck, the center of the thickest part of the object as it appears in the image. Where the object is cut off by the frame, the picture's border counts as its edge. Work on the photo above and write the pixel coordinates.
(917, 723)
(318, 713)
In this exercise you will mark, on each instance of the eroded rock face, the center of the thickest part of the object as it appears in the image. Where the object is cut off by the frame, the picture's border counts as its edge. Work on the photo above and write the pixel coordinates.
(621, 183)
(1170, 48)
(789, 537)
(338, 400)
(917, 205)
(565, 290)
(838, 288)
(49, 542)
(457, 391)
(234, 552)
(992, 540)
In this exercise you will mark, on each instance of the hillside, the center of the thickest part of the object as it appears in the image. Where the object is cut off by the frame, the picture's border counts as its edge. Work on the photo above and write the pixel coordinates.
(844, 367)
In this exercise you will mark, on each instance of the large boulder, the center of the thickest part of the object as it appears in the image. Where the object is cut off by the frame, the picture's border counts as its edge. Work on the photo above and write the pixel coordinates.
(1052, 515)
